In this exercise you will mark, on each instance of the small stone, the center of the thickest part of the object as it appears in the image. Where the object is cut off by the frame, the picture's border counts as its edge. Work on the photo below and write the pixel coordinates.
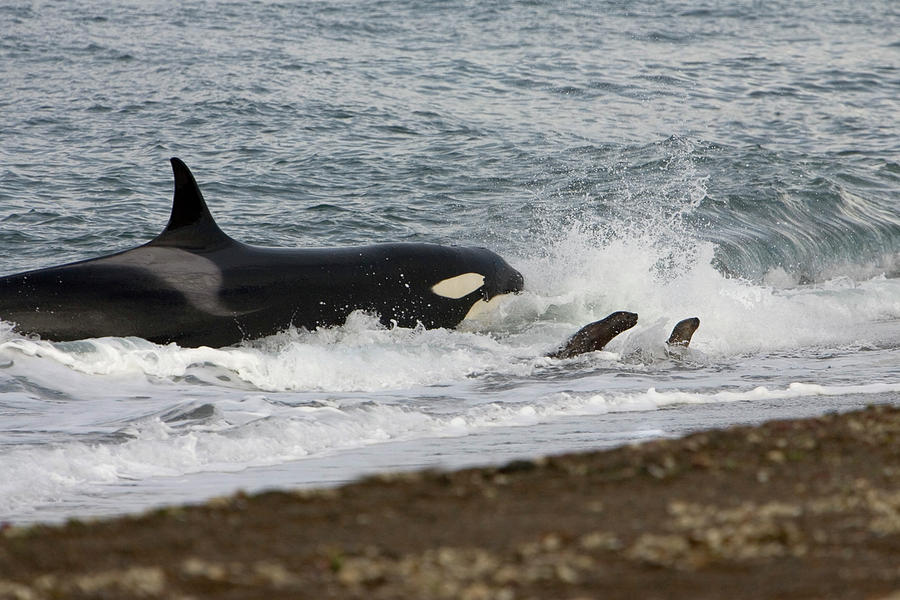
(600, 540)
(775, 456)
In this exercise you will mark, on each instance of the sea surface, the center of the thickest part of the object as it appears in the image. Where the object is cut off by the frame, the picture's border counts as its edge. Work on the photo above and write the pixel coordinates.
(738, 161)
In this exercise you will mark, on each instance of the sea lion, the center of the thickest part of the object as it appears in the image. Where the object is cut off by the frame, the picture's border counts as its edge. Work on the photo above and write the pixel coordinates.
(594, 336)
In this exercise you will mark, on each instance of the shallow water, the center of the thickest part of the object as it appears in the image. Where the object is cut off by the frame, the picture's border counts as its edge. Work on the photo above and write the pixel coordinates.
(734, 161)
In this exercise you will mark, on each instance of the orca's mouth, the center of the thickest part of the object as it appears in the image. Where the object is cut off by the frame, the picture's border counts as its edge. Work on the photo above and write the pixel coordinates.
(511, 282)
(517, 283)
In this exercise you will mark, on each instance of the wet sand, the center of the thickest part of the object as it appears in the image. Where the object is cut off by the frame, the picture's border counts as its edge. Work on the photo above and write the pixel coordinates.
(790, 509)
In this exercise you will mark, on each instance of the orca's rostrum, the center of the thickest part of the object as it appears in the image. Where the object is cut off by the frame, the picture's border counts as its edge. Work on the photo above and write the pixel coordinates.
(195, 286)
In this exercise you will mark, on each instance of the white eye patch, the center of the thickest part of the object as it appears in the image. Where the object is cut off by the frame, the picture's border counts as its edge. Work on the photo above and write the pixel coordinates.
(459, 286)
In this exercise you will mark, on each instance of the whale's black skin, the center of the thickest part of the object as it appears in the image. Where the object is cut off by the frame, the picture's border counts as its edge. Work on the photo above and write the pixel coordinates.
(195, 286)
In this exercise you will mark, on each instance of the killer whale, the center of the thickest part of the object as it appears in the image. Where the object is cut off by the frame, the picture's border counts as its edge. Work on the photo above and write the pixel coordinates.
(195, 286)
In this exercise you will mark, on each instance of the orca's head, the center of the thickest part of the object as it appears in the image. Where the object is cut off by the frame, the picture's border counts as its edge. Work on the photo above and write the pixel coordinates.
(503, 280)
(487, 278)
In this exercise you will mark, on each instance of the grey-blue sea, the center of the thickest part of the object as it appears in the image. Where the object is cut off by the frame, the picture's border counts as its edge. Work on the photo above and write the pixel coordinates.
(739, 160)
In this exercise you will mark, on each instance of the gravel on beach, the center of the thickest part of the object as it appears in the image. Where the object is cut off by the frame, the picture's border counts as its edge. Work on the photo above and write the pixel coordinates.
(805, 508)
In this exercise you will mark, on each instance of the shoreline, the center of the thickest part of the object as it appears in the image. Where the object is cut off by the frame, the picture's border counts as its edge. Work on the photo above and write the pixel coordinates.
(804, 508)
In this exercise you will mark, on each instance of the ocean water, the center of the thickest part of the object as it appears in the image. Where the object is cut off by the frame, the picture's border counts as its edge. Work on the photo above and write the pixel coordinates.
(736, 161)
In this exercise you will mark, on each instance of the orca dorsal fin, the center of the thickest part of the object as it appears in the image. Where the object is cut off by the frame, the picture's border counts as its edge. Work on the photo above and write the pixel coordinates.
(190, 224)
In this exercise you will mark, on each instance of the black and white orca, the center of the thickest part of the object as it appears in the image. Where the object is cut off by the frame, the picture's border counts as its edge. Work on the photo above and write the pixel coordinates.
(195, 286)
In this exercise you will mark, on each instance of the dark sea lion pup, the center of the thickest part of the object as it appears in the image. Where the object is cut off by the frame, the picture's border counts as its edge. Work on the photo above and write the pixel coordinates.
(683, 331)
(594, 336)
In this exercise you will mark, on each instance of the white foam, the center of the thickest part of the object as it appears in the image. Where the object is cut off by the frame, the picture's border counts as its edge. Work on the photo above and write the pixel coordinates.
(652, 399)
(585, 277)
(255, 431)
(37, 475)
(360, 356)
